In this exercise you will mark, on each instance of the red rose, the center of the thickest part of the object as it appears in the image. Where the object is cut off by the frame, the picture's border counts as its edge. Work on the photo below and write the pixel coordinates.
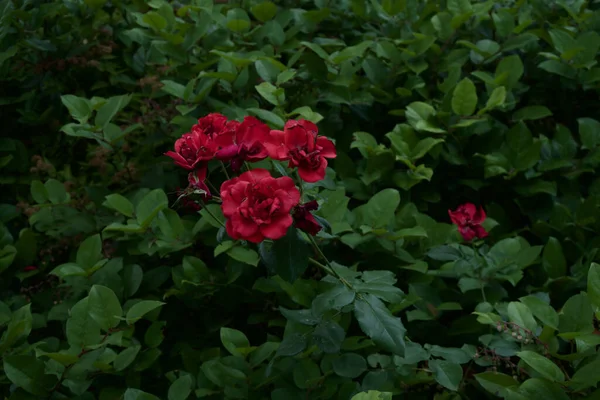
(244, 143)
(469, 219)
(192, 149)
(300, 144)
(304, 220)
(211, 125)
(257, 206)
(30, 268)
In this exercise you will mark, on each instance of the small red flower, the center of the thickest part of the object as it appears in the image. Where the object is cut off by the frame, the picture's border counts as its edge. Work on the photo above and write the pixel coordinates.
(303, 218)
(300, 144)
(257, 206)
(193, 149)
(30, 268)
(469, 219)
(244, 143)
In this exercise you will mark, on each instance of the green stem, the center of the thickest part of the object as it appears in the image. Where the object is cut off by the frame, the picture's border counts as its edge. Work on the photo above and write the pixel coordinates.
(225, 170)
(247, 166)
(483, 292)
(211, 213)
(300, 185)
(327, 267)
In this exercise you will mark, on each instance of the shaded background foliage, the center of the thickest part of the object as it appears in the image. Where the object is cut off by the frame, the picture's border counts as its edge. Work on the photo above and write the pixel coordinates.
(431, 104)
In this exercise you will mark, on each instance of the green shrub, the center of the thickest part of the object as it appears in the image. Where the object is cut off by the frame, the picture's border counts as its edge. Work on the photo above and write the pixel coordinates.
(460, 216)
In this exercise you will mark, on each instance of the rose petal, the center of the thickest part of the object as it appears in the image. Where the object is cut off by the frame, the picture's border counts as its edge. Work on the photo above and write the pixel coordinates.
(313, 175)
(275, 145)
(327, 147)
(278, 227)
(179, 160)
(479, 216)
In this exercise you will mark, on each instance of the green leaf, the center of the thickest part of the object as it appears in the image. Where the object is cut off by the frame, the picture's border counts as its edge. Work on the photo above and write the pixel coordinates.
(292, 344)
(577, 315)
(553, 259)
(286, 257)
(18, 328)
(89, 252)
(80, 108)
(329, 336)
(56, 192)
(379, 324)
(262, 353)
(237, 20)
(270, 93)
(233, 340)
(82, 330)
(542, 365)
(460, 7)
(275, 120)
(464, 98)
(380, 209)
(497, 98)
(423, 147)
(593, 285)
(112, 106)
(532, 113)
(26, 372)
(39, 192)
(68, 269)
(213, 210)
(496, 382)
(181, 388)
(524, 151)
(586, 376)
(540, 389)
(136, 394)
(509, 71)
(173, 88)
(138, 310)
(104, 307)
(154, 20)
(126, 357)
(349, 365)
(589, 133)
(149, 206)
(447, 374)
(306, 374)
(244, 254)
(264, 11)
(373, 395)
(333, 299)
(521, 315)
(541, 311)
(119, 203)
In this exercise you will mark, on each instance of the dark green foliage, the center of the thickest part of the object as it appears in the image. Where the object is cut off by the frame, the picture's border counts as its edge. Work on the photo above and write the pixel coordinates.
(114, 286)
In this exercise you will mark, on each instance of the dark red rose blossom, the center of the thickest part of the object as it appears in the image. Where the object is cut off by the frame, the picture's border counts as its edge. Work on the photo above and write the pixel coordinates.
(303, 218)
(30, 268)
(469, 219)
(257, 206)
(244, 143)
(192, 150)
(300, 144)
(211, 125)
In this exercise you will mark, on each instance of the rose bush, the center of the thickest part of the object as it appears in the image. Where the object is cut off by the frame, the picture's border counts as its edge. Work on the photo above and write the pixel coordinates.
(360, 199)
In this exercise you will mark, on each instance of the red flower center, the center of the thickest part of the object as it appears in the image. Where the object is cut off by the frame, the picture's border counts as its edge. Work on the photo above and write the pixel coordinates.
(308, 160)
(260, 208)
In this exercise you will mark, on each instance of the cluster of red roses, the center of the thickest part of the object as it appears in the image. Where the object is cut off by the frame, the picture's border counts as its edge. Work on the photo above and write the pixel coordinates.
(257, 205)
